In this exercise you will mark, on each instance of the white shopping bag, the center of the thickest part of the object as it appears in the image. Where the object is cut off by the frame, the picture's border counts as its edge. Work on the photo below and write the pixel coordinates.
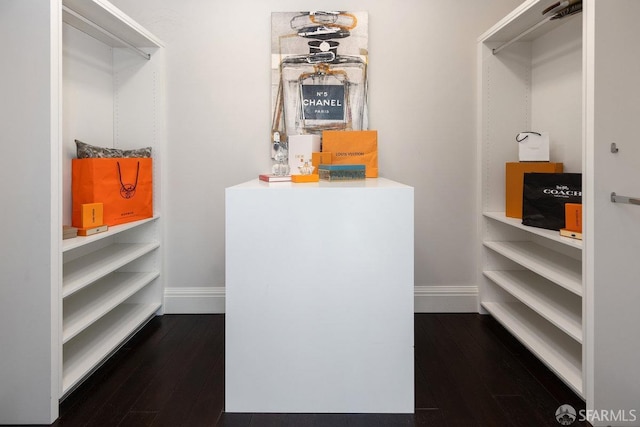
(533, 146)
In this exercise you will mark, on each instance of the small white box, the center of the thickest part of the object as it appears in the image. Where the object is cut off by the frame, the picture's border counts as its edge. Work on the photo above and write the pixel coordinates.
(300, 149)
(533, 146)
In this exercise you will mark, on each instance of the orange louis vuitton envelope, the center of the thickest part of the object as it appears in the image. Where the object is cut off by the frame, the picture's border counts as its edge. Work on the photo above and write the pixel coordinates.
(353, 147)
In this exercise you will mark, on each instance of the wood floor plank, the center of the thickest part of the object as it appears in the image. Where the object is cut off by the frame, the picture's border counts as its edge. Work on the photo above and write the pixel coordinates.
(208, 406)
(500, 371)
(437, 373)
(377, 420)
(516, 361)
(472, 391)
(187, 362)
(127, 392)
(424, 397)
(80, 407)
(520, 412)
(535, 375)
(180, 403)
(430, 418)
(234, 420)
(138, 419)
(487, 356)
(468, 375)
(302, 420)
(469, 371)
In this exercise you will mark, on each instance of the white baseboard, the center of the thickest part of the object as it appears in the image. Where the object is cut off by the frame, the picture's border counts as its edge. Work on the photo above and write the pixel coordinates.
(200, 300)
(427, 299)
(445, 299)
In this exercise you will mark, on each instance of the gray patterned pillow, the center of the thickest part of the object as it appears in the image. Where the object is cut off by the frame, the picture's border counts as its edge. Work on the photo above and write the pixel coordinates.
(138, 152)
(87, 151)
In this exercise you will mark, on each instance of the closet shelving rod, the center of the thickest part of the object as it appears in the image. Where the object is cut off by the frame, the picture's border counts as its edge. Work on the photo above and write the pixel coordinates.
(140, 52)
(521, 35)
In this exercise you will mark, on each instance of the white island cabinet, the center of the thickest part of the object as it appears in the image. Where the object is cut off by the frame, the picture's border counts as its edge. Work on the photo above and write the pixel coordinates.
(319, 297)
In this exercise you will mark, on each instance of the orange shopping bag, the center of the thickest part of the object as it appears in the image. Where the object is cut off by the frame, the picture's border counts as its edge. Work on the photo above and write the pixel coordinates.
(123, 185)
(354, 147)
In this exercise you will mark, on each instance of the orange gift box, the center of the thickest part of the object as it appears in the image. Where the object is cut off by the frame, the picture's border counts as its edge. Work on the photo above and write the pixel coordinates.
(514, 180)
(573, 217)
(353, 147)
(314, 177)
(91, 215)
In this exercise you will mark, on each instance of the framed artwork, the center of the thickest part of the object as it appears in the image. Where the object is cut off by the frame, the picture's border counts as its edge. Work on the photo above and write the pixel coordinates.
(319, 72)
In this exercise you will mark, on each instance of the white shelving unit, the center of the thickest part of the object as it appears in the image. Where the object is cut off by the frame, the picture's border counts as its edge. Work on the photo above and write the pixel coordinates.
(110, 287)
(560, 269)
(573, 303)
(84, 271)
(83, 309)
(547, 234)
(111, 282)
(77, 69)
(545, 341)
(87, 350)
(531, 278)
(543, 297)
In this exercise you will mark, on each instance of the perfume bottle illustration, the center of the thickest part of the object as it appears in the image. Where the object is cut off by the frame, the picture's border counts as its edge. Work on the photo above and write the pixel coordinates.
(323, 89)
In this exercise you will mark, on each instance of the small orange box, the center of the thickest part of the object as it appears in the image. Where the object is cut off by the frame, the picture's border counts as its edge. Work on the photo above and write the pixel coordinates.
(514, 180)
(573, 217)
(92, 215)
(314, 177)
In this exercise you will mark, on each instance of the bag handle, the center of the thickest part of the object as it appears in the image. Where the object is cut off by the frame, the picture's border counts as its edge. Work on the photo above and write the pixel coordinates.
(127, 191)
(520, 139)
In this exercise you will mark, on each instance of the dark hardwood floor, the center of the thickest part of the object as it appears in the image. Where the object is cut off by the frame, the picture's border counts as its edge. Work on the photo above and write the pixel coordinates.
(469, 372)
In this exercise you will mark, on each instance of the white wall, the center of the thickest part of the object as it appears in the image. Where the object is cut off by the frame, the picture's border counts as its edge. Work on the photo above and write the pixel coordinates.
(422, 101)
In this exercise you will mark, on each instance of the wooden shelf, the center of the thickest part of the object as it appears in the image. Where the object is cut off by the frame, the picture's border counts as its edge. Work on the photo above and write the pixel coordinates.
(547, 234)
(84, 308)
(548, 343)
(556, 267)
(111, 19)
(85, 270)
(80, 241)
(87, 350)
(561, 308)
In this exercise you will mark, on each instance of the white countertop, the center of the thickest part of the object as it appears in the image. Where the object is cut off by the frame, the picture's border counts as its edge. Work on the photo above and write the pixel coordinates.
(366, 183)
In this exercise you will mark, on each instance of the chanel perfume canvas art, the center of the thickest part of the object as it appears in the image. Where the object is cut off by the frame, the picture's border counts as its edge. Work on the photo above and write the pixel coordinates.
(319, 72)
